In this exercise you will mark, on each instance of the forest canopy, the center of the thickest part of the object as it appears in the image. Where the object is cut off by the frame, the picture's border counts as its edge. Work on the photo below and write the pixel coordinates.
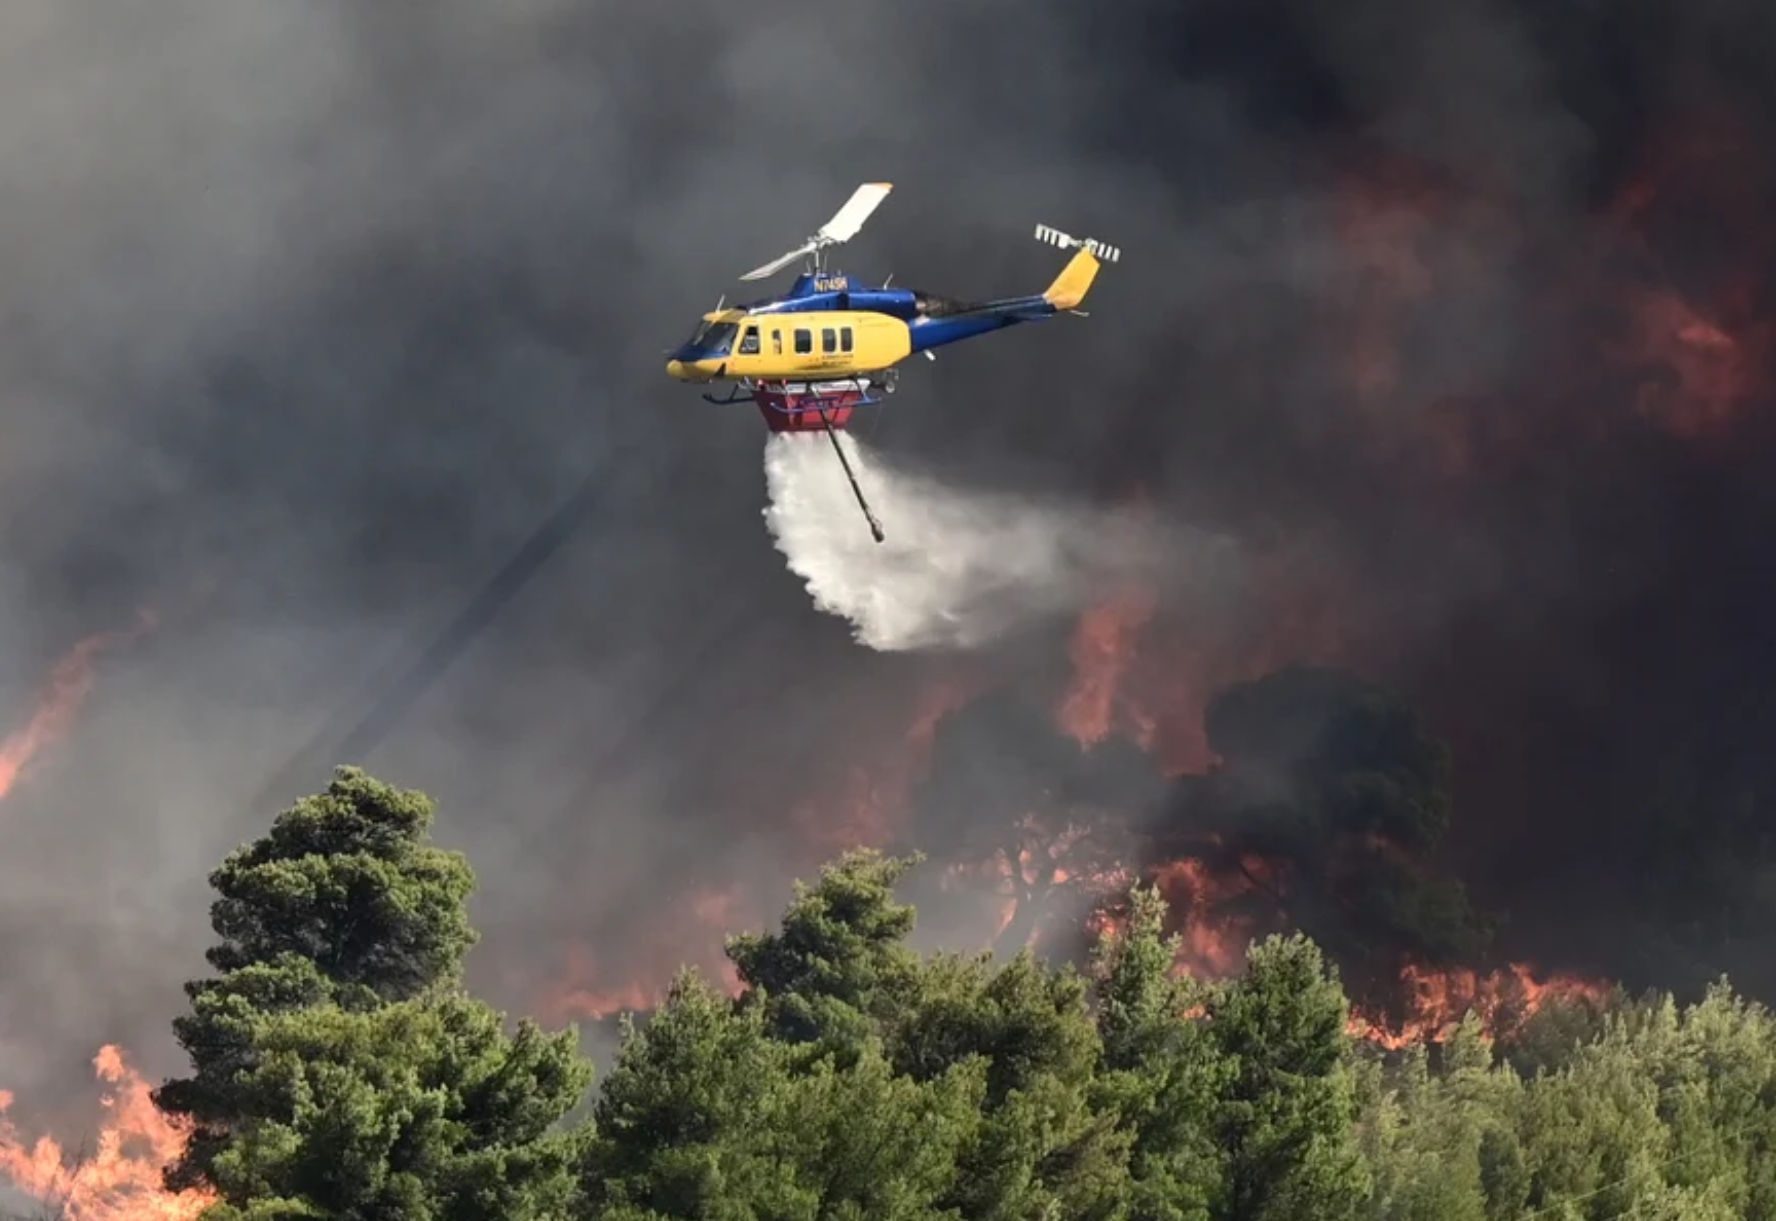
(340, 1069)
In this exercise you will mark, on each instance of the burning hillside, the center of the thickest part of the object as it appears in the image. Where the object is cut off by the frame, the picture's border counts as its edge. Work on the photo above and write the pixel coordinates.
(1320, 805)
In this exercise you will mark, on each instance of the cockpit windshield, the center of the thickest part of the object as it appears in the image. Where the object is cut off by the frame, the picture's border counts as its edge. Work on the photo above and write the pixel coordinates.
(711, 339)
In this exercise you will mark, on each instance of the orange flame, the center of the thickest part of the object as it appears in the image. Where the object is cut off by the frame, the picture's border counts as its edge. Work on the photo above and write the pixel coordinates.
(1214, 941)
(1102, 648)
(1503, 999)
(69, 684)
(120, 1180)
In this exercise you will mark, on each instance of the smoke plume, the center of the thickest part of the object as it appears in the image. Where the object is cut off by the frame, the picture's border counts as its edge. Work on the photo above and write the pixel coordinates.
(959, 567)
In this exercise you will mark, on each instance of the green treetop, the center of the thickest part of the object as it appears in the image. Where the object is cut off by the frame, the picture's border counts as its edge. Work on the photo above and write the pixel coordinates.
(339, 1070)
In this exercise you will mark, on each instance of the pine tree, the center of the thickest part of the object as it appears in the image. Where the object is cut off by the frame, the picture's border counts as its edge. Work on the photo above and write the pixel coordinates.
(339, 1069)
(1285, 1122)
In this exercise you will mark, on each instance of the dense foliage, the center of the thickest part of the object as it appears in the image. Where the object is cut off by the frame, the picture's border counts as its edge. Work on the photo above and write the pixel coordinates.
(341, 1071)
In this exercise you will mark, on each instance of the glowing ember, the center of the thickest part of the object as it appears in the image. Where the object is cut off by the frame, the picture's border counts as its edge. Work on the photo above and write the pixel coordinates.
(119, 1180)
(1103, 646)
(60, 702)
(1504, 999)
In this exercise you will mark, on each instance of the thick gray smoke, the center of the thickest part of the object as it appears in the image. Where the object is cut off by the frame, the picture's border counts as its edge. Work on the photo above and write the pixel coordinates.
(315, 315)
(958, 567)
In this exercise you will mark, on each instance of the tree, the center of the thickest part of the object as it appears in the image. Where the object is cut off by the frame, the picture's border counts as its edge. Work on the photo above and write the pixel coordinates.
(1336, 784)
(840, 961)
(1045, 1145)
(340, 1071)
(1285, 1120)
(1670, 1110)
(706, 1115)
(1162, 1071)
(1444, 1144)
(838, 979)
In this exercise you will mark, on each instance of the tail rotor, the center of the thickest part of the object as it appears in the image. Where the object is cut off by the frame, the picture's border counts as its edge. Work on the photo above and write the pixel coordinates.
(1103, 251)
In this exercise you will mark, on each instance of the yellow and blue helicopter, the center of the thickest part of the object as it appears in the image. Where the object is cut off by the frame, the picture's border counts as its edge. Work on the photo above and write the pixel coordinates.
(811, 357)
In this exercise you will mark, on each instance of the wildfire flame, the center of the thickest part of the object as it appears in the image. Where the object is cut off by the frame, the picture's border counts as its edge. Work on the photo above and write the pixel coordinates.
(120, 1179)
(69, 684)
(1103, 647)
(1504, 999)
(1214, 940)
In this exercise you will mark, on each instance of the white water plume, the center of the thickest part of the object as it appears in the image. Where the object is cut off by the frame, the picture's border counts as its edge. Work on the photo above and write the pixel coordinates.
(958, 567)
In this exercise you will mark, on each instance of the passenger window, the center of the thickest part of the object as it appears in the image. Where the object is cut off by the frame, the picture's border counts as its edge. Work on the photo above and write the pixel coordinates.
(776, 343)
(844, 339)
(829, 340)
(804, 341)
(749, 342)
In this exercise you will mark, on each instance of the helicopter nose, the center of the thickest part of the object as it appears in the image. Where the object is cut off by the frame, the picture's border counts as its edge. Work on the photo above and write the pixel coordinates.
(675, 369)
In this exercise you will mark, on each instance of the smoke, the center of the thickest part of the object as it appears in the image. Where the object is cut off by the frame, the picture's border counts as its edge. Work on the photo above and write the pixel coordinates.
(959, 567)
(1454, 320)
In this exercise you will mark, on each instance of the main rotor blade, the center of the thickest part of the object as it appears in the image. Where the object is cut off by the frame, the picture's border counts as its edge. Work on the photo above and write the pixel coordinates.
(849, 219)
(777, 265)
(841, 228)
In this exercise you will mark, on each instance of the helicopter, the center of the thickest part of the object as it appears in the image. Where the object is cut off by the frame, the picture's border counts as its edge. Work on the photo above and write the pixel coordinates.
(809, 359)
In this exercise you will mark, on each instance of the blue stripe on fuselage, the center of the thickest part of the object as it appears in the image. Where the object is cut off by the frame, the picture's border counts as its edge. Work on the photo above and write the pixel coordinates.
(951, 322)
(929, 332)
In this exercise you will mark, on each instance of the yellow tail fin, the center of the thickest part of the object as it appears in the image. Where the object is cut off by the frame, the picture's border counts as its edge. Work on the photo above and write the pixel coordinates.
(1070, 287)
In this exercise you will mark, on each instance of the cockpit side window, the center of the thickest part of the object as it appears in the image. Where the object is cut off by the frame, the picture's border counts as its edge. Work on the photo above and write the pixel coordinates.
(749, 342)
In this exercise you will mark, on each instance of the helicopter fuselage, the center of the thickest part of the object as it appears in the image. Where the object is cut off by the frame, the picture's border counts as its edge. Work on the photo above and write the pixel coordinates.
(825, 327)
